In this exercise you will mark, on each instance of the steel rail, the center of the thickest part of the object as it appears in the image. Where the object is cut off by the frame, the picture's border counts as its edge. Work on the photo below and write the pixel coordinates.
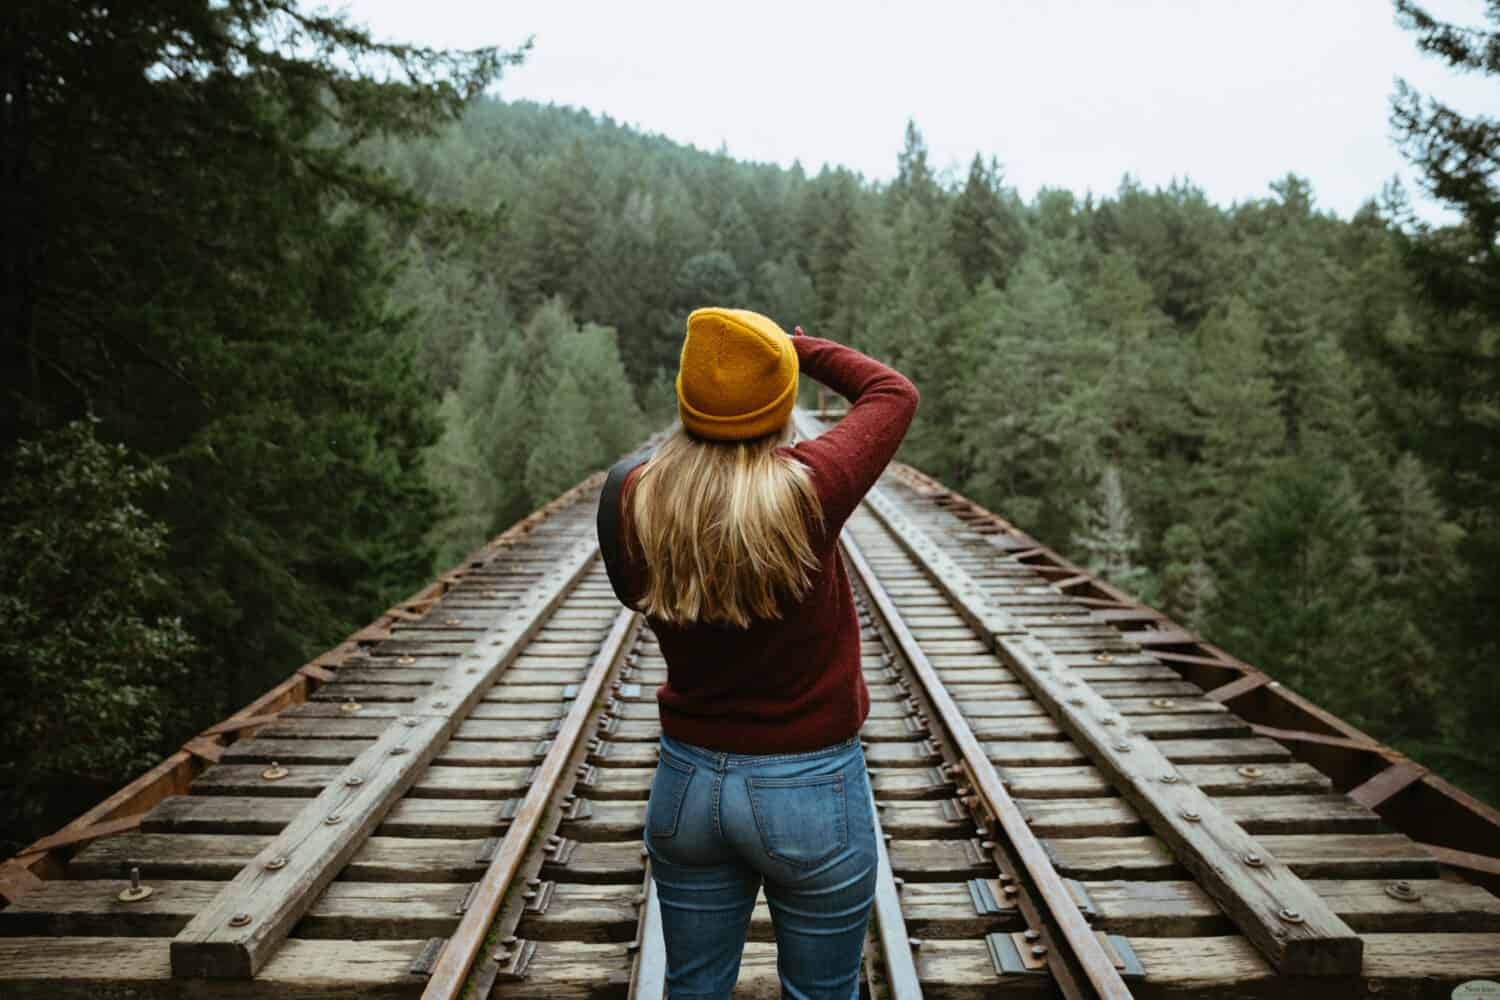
(1097, 966)
(458, 957)
(895, 943)
(648, 973)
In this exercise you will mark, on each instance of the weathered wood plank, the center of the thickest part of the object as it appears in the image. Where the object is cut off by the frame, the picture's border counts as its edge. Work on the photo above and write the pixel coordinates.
(84, 968)
(411, 817)
(235, 935)
(1212, 779)
(1326, 856)
(352, 910)
(466, 753)
(1182, 909)
(1258, 814)
(310, 779)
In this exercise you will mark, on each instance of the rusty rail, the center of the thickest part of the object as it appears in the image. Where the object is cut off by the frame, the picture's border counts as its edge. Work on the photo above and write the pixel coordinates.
(1059, 903)
(458, 957)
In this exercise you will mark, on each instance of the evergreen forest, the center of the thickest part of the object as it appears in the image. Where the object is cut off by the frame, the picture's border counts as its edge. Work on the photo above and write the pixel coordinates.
(294, 319)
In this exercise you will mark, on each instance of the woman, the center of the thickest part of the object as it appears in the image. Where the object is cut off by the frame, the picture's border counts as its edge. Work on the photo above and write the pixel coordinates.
(730, 548)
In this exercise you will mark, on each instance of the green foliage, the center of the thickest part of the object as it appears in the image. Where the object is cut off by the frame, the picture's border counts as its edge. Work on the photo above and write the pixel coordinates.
(91, 666)
(1108, 534)
(1298, 597)
(196, 256)
(536, 409)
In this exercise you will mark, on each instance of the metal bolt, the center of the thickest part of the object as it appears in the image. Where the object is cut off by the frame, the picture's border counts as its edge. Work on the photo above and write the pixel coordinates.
(398, 751)
(914, 943)
(1032, 934)
(1122, 747)
(275, 864)
(1038, 950)
(334, 819)
(1103, 657)
(135, 892)
(1170, 779)
(1290, 915)
(275, 772)
(1163, 702)
(1254, 860)
(239, 920)
(1191, 815)
(1249, 772)
(354, 781)
(1403, 890)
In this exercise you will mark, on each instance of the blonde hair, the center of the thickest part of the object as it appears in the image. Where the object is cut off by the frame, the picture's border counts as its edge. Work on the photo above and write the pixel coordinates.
(721, 528)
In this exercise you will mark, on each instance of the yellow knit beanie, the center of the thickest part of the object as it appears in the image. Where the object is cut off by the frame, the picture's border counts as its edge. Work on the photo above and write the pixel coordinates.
(737, 377)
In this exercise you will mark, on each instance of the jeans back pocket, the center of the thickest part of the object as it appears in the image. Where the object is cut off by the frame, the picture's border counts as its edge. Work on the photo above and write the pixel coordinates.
(802, 821)
(669, 787)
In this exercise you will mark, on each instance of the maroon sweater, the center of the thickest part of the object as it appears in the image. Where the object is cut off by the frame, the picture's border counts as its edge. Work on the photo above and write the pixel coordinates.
(793, 684)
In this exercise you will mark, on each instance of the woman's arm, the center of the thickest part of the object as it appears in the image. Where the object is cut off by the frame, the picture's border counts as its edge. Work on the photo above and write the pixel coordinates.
(848, 459)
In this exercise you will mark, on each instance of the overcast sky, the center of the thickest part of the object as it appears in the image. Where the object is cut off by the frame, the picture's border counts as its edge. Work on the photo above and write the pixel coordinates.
(1065, 93)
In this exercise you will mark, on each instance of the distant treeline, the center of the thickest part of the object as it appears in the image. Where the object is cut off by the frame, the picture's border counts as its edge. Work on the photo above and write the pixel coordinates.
(288, 343)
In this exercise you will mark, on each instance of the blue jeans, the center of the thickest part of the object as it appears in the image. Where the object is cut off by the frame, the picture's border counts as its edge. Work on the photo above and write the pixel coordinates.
(718, 823)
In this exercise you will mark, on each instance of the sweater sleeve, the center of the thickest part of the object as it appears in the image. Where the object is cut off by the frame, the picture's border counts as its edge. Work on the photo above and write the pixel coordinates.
(847, 460)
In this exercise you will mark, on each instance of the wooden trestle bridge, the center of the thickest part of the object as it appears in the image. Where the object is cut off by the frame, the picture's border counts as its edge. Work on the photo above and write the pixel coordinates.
(1076, 796)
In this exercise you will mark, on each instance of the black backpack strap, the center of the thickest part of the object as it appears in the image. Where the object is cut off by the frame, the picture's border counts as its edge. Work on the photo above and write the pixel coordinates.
(609, 523)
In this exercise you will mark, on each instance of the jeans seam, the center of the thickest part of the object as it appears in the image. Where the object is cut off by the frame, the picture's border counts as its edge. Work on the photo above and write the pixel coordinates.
(718, 784)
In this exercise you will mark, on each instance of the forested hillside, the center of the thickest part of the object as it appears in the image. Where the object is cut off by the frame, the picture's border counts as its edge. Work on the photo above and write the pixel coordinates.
(351, 347)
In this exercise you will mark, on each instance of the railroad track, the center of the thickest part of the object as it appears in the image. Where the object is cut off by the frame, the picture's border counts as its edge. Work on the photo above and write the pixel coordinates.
(458, 808)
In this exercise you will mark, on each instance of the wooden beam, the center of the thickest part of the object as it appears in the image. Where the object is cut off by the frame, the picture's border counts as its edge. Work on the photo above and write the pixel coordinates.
(1387, 783)
(320, 674)
(234, 936)
(1290, 924)
(15, 881)
(82, 835)
(1463, 859)
(1235, 688)
(205, 747)
(239, 725)
(1323, 739)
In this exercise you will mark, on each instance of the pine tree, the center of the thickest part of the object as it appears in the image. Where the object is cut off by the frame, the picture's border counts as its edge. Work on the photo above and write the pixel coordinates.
(1298, 597)
(1235, 415)
(985, 233)
(1108, 535)
(565, 444)
(1187, 582)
